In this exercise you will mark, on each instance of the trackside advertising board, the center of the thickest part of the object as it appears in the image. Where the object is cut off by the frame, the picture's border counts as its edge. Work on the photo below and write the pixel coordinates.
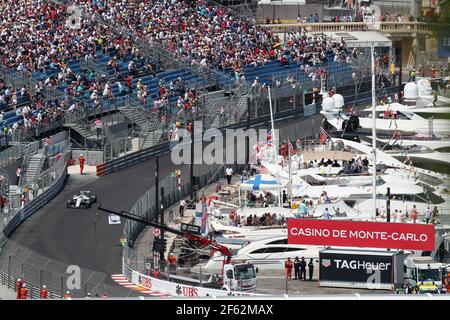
(361, 234)
(350, 268)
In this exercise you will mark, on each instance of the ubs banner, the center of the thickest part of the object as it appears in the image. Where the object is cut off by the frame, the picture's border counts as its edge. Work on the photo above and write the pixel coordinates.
(443, 38)
(354, 268)
(361, 234)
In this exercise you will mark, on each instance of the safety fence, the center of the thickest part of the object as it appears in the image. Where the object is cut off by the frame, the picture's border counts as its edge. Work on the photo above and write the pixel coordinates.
(12, 154)
(37, 270)
(34, 197)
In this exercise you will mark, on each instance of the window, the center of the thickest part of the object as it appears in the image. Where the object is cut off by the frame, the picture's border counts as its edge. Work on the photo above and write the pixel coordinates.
(244, 272)
(429, 274)
(258, 251)
(281, 241)
(275, 250)
(293, 249)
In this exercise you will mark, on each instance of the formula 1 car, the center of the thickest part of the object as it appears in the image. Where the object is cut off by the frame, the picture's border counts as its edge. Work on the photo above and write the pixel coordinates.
(83, 200)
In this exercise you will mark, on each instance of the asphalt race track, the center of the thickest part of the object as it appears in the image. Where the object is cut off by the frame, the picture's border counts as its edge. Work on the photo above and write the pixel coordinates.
(84, 238)
(80, 236)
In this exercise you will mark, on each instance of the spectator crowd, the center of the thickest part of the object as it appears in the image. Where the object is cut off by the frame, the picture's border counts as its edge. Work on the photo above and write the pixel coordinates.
(42, 37)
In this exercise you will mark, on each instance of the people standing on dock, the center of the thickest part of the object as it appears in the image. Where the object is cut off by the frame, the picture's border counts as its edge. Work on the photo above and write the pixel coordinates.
(434, 216)
(326, 214)
(427, 215)
(172, 261)
(311, 269)
(182, 207)
(288, 266)
(296, 268)
(303, 269)
(229, 174)
(24, 292)
(414, 213)
(44, 292)
(302, 210)
(19, 285)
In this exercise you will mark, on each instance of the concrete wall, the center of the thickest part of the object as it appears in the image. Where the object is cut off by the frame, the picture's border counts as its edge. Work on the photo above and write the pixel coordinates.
(93, 158)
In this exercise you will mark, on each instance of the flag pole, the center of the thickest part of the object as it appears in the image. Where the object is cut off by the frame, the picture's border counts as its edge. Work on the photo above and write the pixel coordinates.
(289, 167)
(274, 146)
(374, 135)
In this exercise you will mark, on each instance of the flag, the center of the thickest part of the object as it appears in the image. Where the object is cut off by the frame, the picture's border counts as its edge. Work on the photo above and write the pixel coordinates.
(291, 147)
(323, 135)
(269, 138)
(203, 229)
(298, 144)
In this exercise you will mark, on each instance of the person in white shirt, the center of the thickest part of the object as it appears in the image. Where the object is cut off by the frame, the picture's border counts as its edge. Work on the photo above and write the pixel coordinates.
(326, 214)
(182, 207)
(428, 215)
(229, 174)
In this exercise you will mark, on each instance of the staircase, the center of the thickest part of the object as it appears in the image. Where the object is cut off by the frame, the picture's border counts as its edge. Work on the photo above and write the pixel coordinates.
(33, 166)
(241, 103)
(138, 116)
(152, 138)
(80, 129)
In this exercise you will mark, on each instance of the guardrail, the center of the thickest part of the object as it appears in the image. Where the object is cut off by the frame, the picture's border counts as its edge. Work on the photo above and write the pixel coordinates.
(386, 27)
(37, 270)
(35, 204)
(131, 159)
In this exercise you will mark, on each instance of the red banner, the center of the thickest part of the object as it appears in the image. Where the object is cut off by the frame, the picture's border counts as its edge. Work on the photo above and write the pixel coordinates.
(361, 234)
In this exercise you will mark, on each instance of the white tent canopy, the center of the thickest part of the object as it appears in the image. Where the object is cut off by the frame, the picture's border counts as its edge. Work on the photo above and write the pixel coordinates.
(260, 182)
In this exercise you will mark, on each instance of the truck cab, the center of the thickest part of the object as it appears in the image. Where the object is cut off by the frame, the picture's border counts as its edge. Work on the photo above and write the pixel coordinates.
(239, 277)
(423, 272)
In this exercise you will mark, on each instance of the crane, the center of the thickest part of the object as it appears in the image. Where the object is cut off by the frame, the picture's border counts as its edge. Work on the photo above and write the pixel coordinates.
(202, 241)
(232, 274)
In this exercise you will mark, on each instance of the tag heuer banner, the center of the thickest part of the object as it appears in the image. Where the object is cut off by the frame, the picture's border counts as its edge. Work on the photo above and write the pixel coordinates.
(356, 268)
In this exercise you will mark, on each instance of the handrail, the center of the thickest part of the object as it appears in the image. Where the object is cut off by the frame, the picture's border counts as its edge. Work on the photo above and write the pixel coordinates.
(385, 26)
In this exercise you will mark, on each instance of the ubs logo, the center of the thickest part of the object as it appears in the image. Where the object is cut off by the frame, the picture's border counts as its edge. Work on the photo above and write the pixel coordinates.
(145, 282)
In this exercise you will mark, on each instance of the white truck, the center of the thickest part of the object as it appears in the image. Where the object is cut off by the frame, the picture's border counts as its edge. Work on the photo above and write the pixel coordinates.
(234, 277)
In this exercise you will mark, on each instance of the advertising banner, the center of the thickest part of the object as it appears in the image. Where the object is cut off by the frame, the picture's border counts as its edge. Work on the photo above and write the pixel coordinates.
(356, 268)
(406, 236)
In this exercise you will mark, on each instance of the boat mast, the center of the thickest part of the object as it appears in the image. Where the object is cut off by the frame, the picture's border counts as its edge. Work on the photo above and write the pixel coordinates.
(374, 135)
(274, 146)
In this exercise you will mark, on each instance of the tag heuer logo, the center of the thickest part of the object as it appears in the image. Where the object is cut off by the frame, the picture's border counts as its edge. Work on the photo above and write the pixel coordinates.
(326, 263)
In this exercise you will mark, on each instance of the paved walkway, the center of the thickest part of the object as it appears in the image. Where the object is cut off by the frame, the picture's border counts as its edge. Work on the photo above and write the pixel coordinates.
(87, 170)
(7, 293)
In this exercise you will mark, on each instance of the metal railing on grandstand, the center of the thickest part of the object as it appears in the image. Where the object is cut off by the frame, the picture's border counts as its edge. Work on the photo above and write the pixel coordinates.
(12, 154)
(385, 26)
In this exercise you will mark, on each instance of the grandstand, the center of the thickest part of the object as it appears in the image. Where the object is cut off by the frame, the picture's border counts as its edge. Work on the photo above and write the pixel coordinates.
(153, 72)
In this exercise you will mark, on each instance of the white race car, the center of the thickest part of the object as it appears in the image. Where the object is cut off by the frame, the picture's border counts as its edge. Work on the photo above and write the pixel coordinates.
(82, 201)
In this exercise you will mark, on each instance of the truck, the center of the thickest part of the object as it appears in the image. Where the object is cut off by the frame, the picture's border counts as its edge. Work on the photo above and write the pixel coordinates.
(424, 274)
(239, 277)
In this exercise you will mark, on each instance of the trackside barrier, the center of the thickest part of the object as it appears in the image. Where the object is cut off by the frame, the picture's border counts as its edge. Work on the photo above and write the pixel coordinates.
(35, 205)
(132, 159)
(167, 287)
